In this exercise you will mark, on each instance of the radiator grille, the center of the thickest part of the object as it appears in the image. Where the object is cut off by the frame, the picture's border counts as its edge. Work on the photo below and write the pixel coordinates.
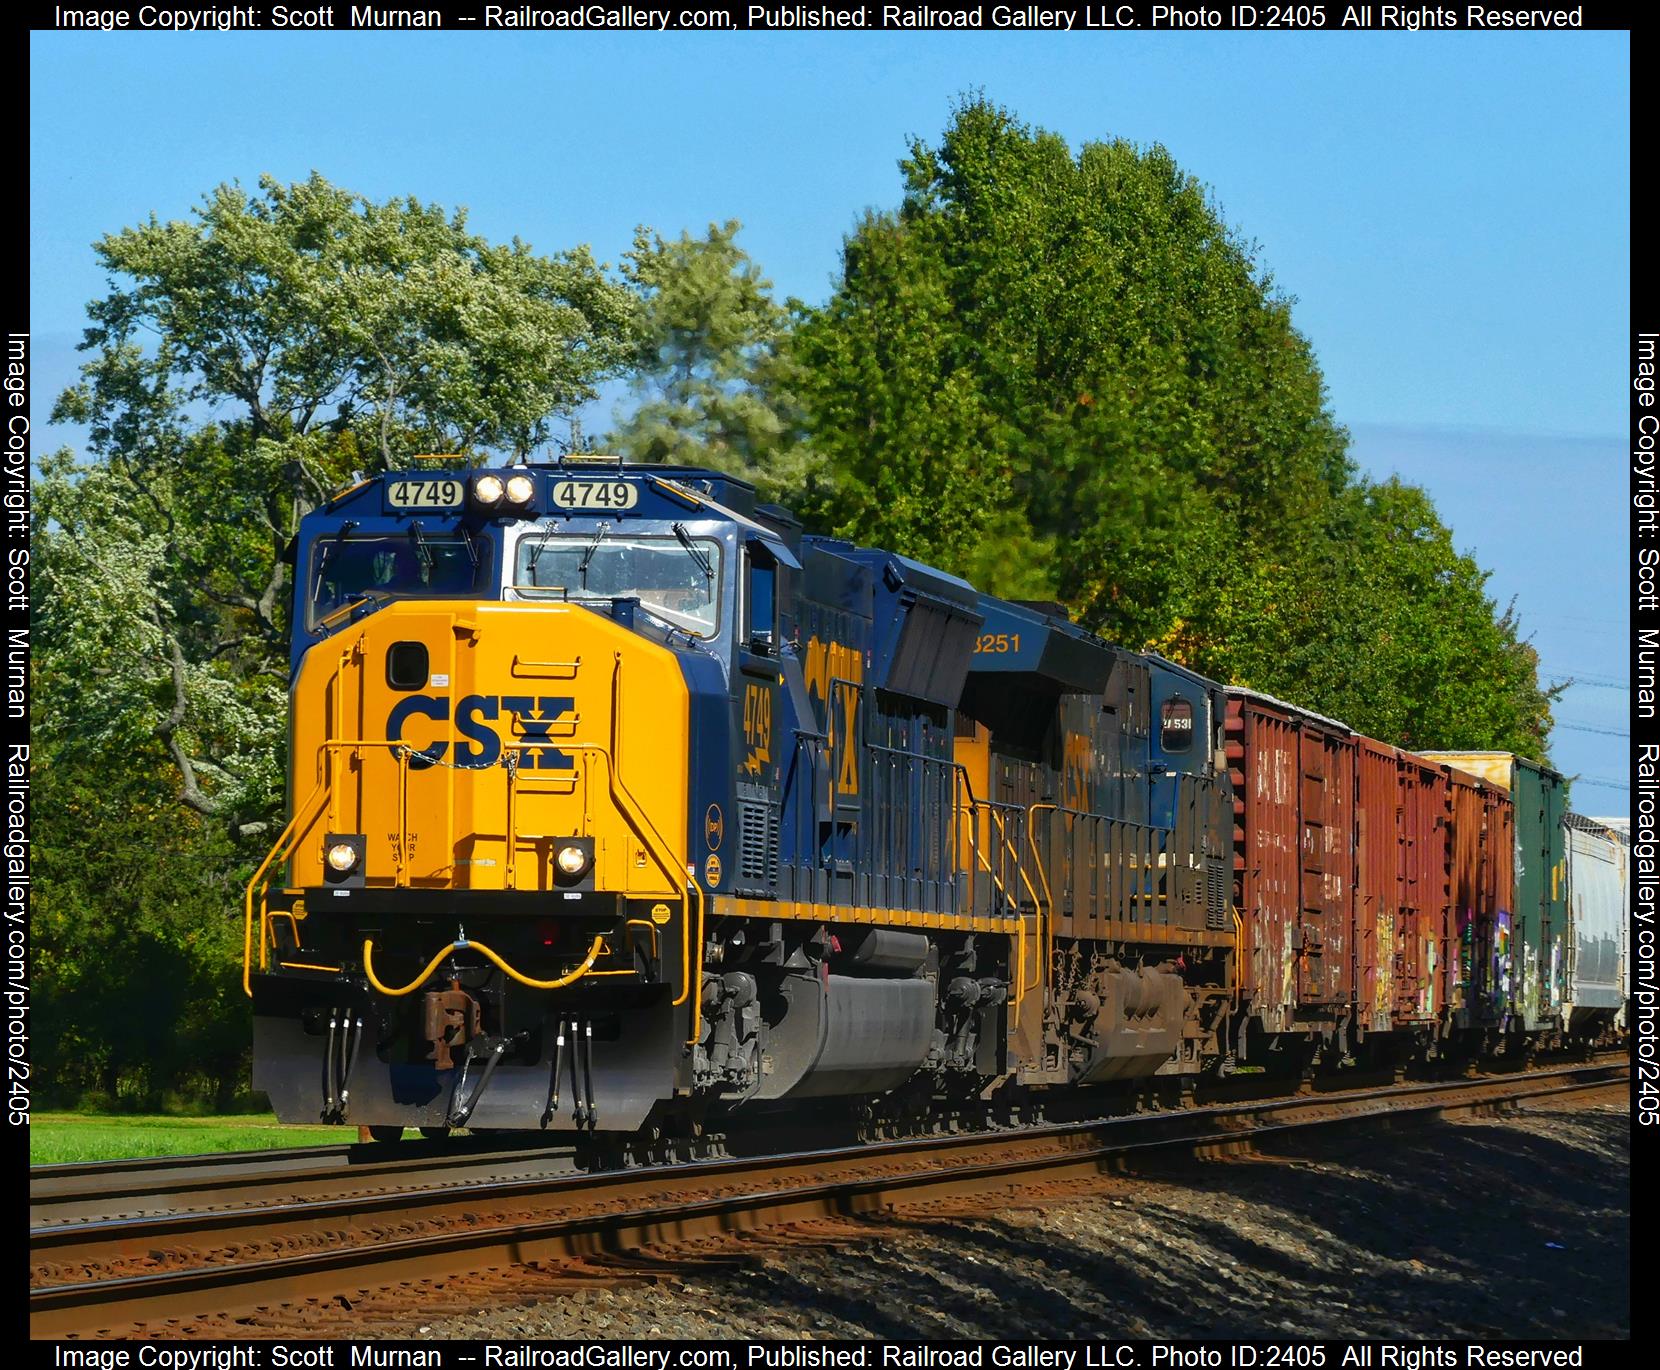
(1216, 894)
(757, 842)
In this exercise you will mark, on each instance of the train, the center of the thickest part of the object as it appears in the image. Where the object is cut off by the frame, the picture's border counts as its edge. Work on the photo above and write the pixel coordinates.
(622, 806)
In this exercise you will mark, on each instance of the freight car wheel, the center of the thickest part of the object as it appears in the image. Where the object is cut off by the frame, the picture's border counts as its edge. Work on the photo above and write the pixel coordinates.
(385, 1132)
(435, 1134)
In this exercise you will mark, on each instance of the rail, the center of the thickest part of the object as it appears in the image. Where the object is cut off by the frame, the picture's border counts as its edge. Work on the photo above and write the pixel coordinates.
(258, 1249)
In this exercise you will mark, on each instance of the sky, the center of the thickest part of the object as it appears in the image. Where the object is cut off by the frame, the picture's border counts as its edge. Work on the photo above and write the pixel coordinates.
(1450, 212)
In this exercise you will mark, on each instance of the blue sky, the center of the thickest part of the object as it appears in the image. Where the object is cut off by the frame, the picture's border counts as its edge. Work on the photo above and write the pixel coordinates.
(1450, 211)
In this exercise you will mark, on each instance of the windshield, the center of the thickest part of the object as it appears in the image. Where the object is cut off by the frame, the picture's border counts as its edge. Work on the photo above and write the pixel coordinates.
(394, 565)
(679, 580)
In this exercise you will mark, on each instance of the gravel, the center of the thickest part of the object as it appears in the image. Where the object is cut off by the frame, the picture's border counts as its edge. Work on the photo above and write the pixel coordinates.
(1516, 1226)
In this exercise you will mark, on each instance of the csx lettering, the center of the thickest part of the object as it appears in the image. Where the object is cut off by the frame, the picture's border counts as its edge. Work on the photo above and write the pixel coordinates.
(476, 722)
(827, 665)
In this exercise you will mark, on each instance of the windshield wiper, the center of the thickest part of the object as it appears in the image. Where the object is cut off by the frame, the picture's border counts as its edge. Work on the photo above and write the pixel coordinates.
(702, 561)
(329, 551)
(599, 537)
(540, 547)
(421, 548)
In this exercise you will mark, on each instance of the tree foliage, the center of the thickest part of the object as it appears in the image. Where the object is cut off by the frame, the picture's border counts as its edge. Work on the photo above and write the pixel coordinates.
(711, 383)
(136, 953)
(1063, 375)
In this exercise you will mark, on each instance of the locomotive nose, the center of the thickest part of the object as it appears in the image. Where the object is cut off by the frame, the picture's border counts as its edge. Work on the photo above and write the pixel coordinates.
(509, 747)
(487, 864)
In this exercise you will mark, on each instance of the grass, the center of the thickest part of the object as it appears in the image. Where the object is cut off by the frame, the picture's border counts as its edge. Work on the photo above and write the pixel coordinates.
(56, 1137)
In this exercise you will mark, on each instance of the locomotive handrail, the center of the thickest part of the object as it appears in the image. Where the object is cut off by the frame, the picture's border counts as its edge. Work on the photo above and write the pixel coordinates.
(465, 944)
(975, 804)
(992, 807)
(693, 986)
(994, 811)
(1046, 918)
(284, 838)
(643, 828)
(281, 848)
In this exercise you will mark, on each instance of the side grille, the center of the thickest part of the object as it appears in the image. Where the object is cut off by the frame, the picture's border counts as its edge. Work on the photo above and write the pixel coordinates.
(1216, 894)
(757, 842)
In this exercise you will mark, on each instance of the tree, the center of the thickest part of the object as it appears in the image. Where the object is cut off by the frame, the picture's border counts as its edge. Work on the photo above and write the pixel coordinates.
(711, 385)
(1393, 631)
(135, 962)
(242, 366)
(1065, 376)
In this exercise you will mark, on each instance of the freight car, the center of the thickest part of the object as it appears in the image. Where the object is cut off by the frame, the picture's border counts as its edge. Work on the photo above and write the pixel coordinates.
(620, 805)
(1533, 997)
(1599, 901)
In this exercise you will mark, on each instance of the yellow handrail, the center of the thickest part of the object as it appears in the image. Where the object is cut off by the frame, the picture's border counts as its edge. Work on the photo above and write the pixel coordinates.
(432, 965)
(974, 845)
(1046, 918)
(283, 839)
(1026, 880)
(693, 986)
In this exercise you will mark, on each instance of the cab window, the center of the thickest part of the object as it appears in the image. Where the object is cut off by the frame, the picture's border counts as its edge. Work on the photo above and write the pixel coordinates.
(761, 602)
(676, 578)
(1176, 725)
(347, 569)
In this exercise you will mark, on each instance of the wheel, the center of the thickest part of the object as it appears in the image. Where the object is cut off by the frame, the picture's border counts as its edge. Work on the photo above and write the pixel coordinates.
(385, 1132)
(435, 1133)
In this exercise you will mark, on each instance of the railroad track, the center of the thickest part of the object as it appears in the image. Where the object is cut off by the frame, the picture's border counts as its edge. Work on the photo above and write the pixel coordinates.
(95, 1191)
(252, 1247)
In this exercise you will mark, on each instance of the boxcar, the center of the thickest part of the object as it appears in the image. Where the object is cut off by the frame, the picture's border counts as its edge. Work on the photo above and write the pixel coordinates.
(1540, 913)
(1402, 910)
(1293, 776)
(1598, 982)
(1481, 873)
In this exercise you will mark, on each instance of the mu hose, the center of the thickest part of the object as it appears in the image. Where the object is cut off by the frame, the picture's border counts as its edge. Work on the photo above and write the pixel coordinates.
(432, 965)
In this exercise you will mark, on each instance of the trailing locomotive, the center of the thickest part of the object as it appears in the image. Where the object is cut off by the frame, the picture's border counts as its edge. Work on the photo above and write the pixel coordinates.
(618, 804)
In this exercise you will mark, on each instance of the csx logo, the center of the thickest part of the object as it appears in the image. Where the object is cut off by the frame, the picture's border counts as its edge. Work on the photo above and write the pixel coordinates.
(834, 672)
(474, 718)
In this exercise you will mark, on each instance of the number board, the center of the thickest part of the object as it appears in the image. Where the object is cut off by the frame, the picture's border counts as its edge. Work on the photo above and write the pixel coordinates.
(439, 493)
(595, 494)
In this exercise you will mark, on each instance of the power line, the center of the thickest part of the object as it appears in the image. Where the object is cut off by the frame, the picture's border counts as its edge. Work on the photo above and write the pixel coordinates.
(1601, 681)
(1601, 784)
(1587, 728)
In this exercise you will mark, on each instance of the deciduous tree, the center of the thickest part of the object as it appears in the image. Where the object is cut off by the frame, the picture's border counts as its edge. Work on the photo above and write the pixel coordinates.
(711, 385)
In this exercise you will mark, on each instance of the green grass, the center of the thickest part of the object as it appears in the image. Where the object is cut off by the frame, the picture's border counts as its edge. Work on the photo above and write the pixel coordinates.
(56, 1137)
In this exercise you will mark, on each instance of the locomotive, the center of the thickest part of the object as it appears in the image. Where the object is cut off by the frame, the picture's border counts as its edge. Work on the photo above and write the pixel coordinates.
(620, 805)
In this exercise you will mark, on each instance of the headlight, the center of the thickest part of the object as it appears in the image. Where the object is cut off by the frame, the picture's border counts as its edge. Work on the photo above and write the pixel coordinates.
(571, 860)
(342, 856)
(519, 489)
(488, 490)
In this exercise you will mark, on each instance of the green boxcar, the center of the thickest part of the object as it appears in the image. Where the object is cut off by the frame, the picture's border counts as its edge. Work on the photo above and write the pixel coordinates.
(1539, 929)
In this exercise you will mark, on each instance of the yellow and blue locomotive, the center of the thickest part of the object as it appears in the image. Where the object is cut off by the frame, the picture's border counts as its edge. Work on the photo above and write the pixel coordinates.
(617, 805)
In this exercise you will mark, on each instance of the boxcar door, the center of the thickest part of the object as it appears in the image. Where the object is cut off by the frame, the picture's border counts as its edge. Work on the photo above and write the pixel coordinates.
(1325, 817)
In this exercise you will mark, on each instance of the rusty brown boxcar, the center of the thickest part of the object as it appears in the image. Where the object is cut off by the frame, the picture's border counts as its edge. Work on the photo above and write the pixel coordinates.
(1481, 874)
(1402, 923)
(1294, 784)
